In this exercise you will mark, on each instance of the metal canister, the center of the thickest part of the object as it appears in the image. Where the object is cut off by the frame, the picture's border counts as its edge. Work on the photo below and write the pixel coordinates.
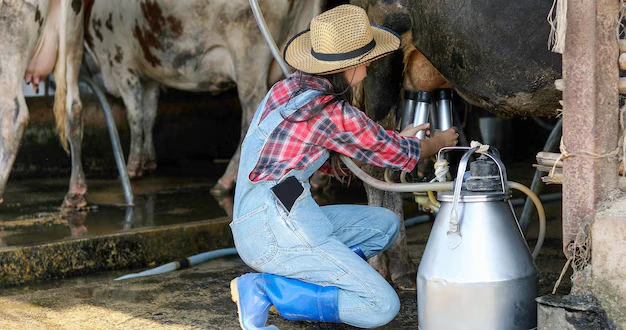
(444, 109)
(408, 109)
(477, 271)
(422, 112)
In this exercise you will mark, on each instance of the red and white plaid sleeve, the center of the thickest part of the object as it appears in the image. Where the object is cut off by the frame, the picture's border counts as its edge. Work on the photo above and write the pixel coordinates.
(351, 133)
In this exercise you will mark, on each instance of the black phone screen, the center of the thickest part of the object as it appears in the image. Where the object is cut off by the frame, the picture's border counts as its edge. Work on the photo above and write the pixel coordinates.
(288, 191)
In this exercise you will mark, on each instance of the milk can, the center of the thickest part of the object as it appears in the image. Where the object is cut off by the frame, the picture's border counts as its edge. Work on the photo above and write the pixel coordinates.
(477, 271)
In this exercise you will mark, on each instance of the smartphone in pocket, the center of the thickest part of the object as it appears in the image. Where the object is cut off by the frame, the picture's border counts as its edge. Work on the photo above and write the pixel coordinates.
(287, 191)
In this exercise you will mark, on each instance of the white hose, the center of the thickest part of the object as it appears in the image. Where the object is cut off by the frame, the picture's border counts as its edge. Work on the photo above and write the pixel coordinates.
(174, 265)
(396, 187)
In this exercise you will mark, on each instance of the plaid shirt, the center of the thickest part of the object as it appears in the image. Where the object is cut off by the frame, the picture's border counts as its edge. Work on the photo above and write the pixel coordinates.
(296, 143)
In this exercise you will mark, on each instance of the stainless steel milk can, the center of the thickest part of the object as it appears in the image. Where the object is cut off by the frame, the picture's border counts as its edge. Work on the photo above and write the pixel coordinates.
(477, 271)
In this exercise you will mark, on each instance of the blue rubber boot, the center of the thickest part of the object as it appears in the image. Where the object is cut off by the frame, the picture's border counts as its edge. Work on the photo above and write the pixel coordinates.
(296, 300)
(248, 292)
(356, 249)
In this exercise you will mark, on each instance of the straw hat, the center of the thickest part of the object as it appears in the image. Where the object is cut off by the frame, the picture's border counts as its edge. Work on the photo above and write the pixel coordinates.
(339, 39)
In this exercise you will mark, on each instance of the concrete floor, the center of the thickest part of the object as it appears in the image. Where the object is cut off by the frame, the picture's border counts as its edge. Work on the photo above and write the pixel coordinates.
(199, 297)
(195, 298)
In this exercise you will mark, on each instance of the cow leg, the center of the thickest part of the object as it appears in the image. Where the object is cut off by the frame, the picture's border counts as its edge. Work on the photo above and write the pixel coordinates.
(13, 119)
(132, 94)
(78, 186)
(226, 183)
(394, 263)
(402, 269)
(251, 77)
(150, 102)
(380, 262)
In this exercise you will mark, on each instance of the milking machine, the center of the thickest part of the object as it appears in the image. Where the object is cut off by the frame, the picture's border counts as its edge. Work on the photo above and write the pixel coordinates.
(421, 107)
(477, 271)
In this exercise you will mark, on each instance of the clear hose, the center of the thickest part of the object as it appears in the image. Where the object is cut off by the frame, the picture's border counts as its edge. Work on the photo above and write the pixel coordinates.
(540, 210)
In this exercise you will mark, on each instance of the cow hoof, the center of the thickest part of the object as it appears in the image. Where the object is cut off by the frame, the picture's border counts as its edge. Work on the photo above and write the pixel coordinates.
(226, 203)
(149, 166)
(135, 173)
(74, 201)
(134, 169)
(78, 231)
(406, 283)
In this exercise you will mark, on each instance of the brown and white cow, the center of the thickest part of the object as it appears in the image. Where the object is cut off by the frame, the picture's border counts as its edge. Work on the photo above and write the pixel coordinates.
(35, 37)
(188, 45)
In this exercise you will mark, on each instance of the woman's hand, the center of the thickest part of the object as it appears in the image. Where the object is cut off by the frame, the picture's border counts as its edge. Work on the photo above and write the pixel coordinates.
(447, 138)
(412, 131)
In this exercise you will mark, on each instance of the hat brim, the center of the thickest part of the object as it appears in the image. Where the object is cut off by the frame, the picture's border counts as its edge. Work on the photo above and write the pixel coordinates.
(298, 52)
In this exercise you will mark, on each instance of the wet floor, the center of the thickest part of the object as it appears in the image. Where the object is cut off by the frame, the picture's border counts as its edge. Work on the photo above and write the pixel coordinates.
(195, 298)
(31, 213)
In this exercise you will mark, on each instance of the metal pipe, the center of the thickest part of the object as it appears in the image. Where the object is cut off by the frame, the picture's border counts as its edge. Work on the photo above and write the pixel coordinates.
(115, 140)
(408, 110)
(258, 15)
(553, 140)
(447, 186)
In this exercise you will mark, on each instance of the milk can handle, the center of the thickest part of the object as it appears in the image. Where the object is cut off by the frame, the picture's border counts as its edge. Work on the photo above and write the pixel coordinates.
(454, 216)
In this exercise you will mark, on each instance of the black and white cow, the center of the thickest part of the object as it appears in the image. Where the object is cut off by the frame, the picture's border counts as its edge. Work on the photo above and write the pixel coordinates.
(189, 45)
(37, 36)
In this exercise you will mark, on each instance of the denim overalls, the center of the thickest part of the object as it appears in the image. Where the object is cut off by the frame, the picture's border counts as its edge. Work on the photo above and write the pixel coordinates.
(310, 243)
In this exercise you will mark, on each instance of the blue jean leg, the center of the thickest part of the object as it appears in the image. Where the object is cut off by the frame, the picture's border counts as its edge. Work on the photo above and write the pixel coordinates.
(307, 249)
(365, 299)
(374, 229)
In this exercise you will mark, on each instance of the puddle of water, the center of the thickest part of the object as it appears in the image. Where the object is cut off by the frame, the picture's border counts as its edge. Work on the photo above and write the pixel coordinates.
(37, 218)
(31, 213)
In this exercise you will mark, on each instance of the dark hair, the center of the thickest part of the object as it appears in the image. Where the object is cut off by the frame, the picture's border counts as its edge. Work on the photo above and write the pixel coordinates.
(340, 90)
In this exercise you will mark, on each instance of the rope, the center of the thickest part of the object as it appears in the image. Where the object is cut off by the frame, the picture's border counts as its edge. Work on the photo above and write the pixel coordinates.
(442, 168)
(558, 282)
(564, 155)
(483, 148)
(557, 20)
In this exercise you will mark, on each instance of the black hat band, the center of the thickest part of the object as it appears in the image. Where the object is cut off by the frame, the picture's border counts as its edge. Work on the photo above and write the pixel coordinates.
(344, 56)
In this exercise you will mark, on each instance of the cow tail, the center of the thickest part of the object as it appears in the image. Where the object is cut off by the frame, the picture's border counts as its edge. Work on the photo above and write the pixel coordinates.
(60, 72)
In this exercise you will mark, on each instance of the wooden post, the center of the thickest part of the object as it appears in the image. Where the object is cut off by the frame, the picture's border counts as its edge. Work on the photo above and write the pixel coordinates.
(590, 111)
